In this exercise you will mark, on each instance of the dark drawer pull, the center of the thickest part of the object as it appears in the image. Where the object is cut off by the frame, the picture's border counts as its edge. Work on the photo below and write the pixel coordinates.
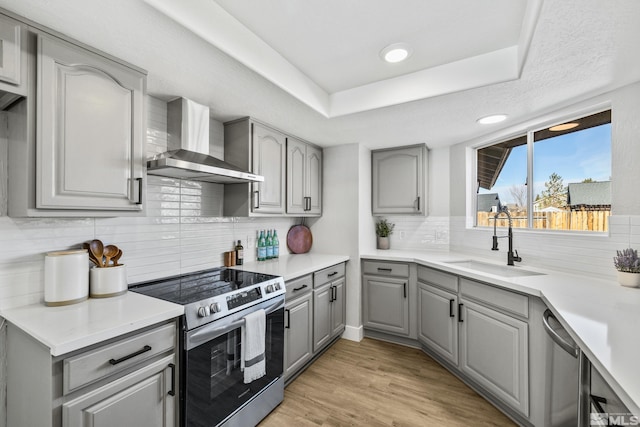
(460, 312)
(172, 392)
(137, 353)
(451, 313)
(404, 288)
(389, 270)
(332, 274)
(300, 288)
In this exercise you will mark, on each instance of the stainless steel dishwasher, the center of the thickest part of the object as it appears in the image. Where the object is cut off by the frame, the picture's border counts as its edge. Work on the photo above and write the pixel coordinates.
(562, 375)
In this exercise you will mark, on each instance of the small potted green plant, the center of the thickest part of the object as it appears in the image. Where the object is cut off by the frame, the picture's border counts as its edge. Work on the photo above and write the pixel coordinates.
(628, 265)
(383, 230)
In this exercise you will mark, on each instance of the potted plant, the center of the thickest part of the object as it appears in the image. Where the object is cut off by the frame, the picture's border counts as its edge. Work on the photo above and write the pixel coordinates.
(383, 230)
(628, 265)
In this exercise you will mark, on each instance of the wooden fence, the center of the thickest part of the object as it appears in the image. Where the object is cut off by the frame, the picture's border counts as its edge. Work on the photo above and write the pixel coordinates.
(563, 220)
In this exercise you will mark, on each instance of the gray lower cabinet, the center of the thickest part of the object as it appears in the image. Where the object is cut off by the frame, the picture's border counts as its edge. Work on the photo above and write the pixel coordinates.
(386, 304)
(328, 305)
(127, 381)
(140, 399)
(398, 180)
(298, 336)
(437, 321)
(494, 352)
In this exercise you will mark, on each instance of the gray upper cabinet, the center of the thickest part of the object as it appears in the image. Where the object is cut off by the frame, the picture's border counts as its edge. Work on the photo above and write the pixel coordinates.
(304, 178)
(90, 130)
(255, 147)
(12, 49)
(399, 180)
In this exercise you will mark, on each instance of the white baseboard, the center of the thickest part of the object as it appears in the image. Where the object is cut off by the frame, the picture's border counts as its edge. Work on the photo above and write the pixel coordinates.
(353, 333)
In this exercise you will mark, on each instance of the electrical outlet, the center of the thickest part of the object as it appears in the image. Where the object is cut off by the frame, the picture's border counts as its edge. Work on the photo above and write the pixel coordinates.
(402, 235)
(250, 240)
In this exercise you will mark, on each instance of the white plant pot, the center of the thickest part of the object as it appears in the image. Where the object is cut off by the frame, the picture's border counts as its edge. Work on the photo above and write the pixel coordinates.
(631, 280)
(383, 242)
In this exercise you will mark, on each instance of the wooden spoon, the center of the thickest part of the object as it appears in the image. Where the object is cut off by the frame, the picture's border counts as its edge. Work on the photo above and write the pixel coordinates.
(110, 251)
(92, 258)
(97, 249)
(117, 257)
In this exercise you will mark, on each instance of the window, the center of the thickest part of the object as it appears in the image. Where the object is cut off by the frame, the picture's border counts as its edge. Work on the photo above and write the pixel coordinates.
(570, 175)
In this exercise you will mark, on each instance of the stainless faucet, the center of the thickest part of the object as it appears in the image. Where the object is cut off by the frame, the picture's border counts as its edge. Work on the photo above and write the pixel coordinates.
(510, 256)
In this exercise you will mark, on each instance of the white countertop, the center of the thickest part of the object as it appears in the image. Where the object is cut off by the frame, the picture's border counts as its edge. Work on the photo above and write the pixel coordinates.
(292, 266)
(71, 327)
(600, 315)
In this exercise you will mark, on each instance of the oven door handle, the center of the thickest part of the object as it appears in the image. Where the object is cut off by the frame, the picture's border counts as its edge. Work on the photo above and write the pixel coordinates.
(217, 328)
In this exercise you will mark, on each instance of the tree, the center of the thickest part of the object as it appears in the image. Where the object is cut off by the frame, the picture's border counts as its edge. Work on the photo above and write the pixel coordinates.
(555, 192)
(587, 180)
(519, 194)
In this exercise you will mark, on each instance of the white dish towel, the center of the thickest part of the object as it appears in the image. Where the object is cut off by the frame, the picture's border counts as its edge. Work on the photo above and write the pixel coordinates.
(253, 343)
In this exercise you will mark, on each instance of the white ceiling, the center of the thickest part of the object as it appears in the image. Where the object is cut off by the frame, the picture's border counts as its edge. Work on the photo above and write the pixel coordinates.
(578, 49)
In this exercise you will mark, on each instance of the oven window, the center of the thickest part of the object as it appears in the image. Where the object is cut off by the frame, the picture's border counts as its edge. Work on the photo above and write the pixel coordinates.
(215, 385)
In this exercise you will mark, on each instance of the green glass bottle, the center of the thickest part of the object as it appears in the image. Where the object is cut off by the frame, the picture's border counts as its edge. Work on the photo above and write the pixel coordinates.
(269, 245)
(262, 247)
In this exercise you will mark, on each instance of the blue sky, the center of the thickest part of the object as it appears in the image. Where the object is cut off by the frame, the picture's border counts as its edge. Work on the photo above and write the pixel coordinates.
(574, 156)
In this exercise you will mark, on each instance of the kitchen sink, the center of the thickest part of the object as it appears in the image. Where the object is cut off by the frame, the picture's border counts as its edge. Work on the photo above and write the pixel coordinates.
(498, 270)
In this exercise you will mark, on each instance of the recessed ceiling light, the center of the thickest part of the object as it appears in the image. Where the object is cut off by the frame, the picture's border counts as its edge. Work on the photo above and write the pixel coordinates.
(496, 118)
(564, 126)
(396, 52)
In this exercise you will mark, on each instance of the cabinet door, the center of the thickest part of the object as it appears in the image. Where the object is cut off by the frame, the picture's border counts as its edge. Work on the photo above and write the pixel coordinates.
(386, 305)
(298, 342)
(398, 177)
(321, 317)
(437, 321)
(296, 172)
(338, 307)
(10, 50)
(494, 353)
(269, 160)
(90, 125)
(314, 180)
(140, 399)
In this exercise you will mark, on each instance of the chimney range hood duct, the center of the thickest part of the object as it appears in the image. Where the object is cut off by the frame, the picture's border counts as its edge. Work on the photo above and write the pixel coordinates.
(188, 149)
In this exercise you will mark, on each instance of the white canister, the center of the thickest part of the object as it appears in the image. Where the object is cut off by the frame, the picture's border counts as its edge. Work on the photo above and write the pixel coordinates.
(108, 281)
(66, 277)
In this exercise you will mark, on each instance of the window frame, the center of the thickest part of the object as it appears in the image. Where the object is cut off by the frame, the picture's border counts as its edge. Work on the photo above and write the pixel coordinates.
(529, 129)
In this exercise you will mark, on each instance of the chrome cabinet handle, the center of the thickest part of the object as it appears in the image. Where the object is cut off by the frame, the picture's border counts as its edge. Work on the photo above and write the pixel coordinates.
(132, 355)
(256, 200)
(566, 346)
(288, 318)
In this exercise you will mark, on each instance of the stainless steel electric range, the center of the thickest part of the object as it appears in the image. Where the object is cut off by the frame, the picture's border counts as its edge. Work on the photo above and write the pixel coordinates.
(212, 388)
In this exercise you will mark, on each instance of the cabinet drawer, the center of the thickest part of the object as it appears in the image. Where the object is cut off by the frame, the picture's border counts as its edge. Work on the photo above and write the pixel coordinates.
(385, 268)
(107, 360)
(439, 278)
(298, 287)
(327, 275)
(500, 298)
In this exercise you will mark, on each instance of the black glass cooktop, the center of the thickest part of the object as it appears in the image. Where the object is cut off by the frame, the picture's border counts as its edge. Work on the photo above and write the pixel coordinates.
(189, 288)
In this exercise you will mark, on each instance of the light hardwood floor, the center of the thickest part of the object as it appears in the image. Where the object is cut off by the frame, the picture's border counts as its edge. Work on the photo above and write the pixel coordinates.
(375, 383)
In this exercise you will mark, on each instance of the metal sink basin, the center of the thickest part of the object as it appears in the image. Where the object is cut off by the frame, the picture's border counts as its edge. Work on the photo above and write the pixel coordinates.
(498, 270)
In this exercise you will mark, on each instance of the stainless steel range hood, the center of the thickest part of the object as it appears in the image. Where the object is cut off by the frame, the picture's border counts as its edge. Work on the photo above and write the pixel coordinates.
(188, 149)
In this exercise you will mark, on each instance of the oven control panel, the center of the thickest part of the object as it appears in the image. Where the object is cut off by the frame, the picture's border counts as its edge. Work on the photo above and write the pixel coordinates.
(219, 306)
(242, 298)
